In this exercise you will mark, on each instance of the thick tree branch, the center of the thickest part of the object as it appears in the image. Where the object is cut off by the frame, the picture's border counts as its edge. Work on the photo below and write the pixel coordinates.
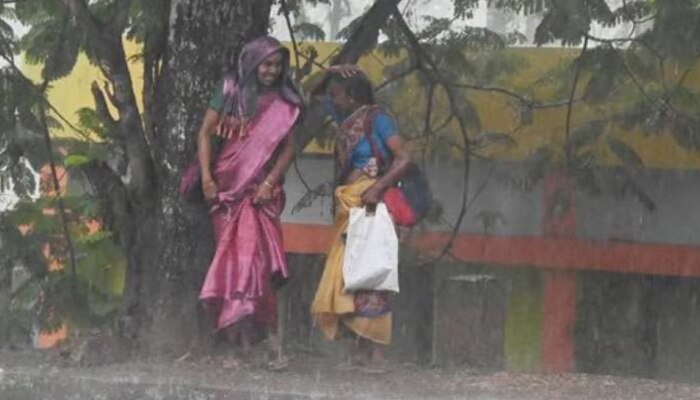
(81, 10)
(364, 37)
(290, 28)
(534, 104)
(404, 74)
(107, 91)
(121, 15)
(102, 110)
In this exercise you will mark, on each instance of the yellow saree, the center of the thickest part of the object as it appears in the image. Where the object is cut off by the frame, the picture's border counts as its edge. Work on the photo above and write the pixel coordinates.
(331, 306)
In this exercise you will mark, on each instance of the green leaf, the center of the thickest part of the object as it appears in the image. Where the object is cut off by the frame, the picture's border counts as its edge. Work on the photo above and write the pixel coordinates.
(586, 179)
(6, 31)
(599, 86)
(534, 169)
(464, 9)
(632, 11)
(567, 22)
(605, 64)
(687, 133)
(491, 139)
(395, 42)
(37, 11)
(644, 68)
(500, 64)
(90, 121)
(490, 220)
(434, 28)
(624, 184)
(76, 160)
(309, 31)
(625, 153)
(676, 30)
(641, 194)
(320, 191)
(24, 179)
(526, 7)
(537, 162)
(479, 38)
(149, 23)
(587, 134)
(54, 42)
(347, 31)
(62, 60)
(453, 60)
(466, 111)
(102, 306)
(435, 213)
(95, 237)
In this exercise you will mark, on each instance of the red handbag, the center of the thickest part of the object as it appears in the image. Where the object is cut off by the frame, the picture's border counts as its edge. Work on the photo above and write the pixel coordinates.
(409, 200)
(399, 208)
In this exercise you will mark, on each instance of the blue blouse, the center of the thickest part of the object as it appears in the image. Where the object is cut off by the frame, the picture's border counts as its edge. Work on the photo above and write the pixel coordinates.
(383, 127)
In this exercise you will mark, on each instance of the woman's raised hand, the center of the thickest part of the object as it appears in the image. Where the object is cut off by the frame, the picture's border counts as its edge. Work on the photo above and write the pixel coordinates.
(345, 70)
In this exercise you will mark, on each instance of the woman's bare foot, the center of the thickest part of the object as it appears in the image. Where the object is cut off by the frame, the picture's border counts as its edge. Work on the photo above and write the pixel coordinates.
(277, 361)
(378, 362)
(230, 363)
(353, 357)
(348, 364)
(246, 343)
(245, 328)
(277, 364)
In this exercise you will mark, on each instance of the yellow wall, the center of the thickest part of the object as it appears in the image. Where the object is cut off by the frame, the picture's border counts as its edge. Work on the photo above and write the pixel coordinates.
(73, 92)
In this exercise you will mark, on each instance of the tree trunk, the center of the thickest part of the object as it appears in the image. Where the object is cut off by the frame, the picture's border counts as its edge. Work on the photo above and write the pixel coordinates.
(205, 38)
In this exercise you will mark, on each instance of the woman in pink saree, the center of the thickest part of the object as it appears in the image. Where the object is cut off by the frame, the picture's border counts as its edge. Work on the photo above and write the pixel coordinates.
(255, 112)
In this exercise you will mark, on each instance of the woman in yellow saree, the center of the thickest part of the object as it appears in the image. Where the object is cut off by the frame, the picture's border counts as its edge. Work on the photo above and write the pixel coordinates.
(364, 315)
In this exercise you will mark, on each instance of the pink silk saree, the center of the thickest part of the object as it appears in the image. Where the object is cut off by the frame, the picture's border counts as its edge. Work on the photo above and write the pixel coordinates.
(249, 252)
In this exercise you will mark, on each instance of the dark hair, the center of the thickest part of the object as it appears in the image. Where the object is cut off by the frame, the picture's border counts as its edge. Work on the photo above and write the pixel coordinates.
(358, 87)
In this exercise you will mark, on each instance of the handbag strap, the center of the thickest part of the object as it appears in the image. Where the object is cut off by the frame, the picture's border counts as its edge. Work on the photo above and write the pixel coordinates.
(369, 125)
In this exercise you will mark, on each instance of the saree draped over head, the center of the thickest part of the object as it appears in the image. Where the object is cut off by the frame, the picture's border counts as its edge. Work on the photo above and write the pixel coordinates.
(249, 253)
(365, 313)
(241, 91)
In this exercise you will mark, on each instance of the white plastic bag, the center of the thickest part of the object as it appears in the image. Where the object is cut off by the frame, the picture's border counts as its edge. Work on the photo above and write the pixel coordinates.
(371, 258)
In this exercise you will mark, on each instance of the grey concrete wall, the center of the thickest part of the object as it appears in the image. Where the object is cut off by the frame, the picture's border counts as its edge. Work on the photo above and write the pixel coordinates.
(488, 193)
(605, 216)
(676, 219)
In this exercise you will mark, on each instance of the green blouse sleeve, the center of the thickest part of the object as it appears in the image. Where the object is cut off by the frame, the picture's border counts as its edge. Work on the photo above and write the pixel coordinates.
(216, 102)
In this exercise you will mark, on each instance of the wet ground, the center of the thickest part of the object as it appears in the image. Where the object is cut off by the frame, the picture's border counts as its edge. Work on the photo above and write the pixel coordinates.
(32, 375)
